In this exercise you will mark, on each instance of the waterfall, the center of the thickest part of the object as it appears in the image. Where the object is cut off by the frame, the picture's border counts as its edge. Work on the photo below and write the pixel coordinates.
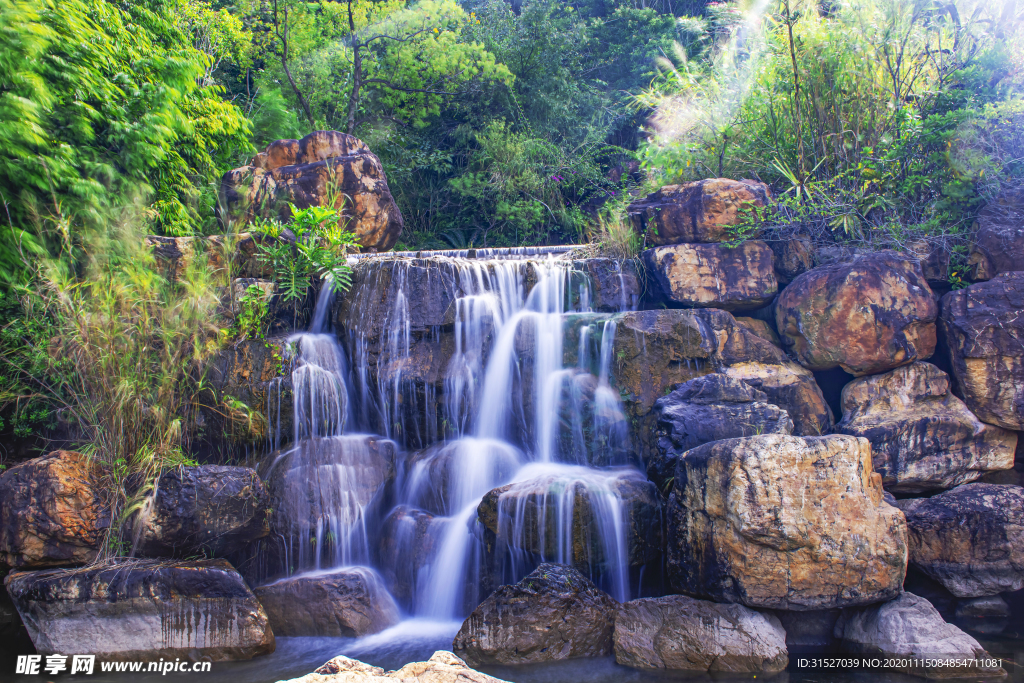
(465, 368)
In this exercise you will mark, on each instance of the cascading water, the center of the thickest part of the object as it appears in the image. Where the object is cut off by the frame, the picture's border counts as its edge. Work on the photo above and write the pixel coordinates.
(475, 385)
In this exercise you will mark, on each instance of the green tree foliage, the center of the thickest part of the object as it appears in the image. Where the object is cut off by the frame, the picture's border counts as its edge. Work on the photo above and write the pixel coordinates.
(102, 101)
(866, 118)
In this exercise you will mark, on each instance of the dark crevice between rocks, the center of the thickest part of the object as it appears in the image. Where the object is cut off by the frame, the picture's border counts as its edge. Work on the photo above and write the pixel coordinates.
(831, 383)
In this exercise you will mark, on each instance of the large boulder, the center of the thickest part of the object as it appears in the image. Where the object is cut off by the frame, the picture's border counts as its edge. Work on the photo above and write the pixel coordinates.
(709, 408)
(784, 522)
(969, 539)
(442, 667)
(143, 609)
(998, 245)
(209, 509)
(53, 512)
(922, 437)
(324, 168)
(580, 516)
(656, 350)
(239, 252)
(869, 315)
(984, 331)
(554, 613)
(680, 633)
(341, 603)
(909, 630)
(713, 275)
(702, 211)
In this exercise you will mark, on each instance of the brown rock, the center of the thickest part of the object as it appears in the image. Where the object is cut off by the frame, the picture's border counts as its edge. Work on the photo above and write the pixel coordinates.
(969, 539)
(703, 211)
(342, 603)
(319, 168)
(784, 522)
(999, 241)
(869, 315)
(679, 633)
(442, 667)
(984, 331)
(554, 613)
(52, 512)
(922, 437)
(762, 329)
(143, 610)
(714, 275)
(793, 257)
(174, 255)
(656, 350)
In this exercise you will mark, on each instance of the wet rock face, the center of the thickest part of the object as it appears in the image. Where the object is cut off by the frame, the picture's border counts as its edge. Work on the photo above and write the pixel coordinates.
(554, 613)
(442, 667)
(969, 539)
(254, 372)
(999, 242)
(145, 609)
(656, 350)
(346, 603)
(984, 330)
(407, 544)
(737, 534)
(680, 633)
(703, 211)
(614, 284)
(911, 627)
(525, 515)
(713, 275)
(870, 315)
(319, 168)
(709, 408)
(922, 437)
(210, 509)
(52, 512)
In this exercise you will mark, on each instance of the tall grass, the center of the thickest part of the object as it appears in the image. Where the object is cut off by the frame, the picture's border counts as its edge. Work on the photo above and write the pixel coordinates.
(128, 359)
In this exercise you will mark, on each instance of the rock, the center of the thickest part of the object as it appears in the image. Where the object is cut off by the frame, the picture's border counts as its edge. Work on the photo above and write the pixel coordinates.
(327, 489)
(713, 275)
(313, 171)
(984, 331)
(703, 211)
(566, 514)
(870, 315)
(990, 606)
(143, 609)
(174, 255)
(554, 613)
(12, 630)
(442, 667)
(909, 627)
(922, 437)
(679, 633)
(809, 631)
(784, 522)
(998, 245)
(792, 257)
(209, 509)
(614, 283)
(341, 603)
(709, 408)
(52, 512)
(934, 258)
(408, 538)
(762, 329)
(656, 350)
(253, 372)
(969, 539)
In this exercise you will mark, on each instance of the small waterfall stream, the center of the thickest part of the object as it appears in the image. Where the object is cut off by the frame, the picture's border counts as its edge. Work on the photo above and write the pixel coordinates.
(541, 442)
